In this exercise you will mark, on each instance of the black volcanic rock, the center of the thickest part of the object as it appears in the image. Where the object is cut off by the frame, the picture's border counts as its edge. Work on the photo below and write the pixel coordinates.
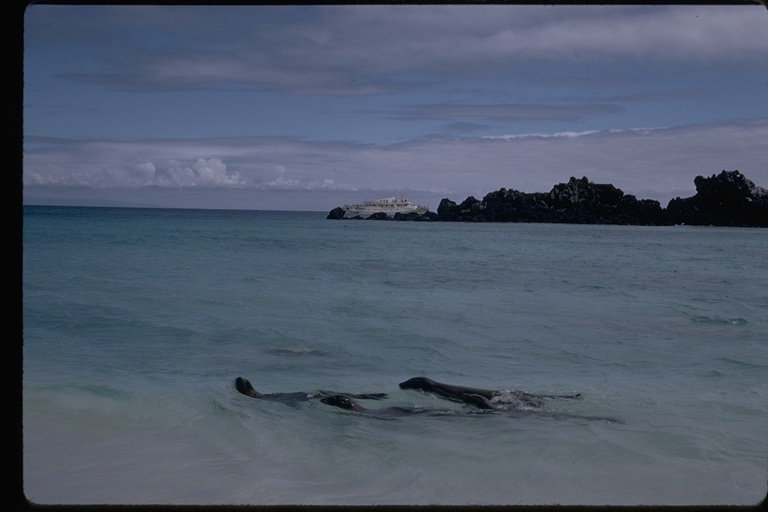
(583, 202)
(469, 210)
(446, 209)
(726, 199)
(378, 216)
(644, 211)
(582, 191)
(426, 216)
(336, 213)
(577, 202)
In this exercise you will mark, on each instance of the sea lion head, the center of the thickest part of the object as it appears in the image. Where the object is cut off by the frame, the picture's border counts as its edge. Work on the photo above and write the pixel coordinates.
(244, 386)
(421, 383)
(342, 401)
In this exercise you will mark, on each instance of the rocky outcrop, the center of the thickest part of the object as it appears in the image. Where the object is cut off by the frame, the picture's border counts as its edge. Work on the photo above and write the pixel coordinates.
(728, 199)
(577, 202)
(336, 213)
(413, 216)
(427, 216)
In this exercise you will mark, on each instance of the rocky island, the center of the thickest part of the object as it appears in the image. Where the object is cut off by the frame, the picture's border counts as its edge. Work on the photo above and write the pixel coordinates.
(726, 199)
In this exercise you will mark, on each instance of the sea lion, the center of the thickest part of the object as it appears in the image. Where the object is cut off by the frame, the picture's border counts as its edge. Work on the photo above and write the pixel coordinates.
(342, 401)
(449, 391)
(477, 400)
(348, 403)
(244, 386)
(474, 395)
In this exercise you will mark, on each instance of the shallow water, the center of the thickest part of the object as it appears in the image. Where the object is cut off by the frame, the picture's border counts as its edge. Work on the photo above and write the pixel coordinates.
(136, 323)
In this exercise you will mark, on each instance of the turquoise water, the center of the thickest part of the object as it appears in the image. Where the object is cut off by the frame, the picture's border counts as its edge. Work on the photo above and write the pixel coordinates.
(137, 321)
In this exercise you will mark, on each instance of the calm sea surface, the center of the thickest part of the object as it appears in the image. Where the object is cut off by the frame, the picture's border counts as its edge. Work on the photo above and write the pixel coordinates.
(137, 321)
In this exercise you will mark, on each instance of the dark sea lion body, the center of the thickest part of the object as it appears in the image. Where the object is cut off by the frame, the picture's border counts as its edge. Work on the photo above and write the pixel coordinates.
(449, 391)
(480, 398)
(348, 403)
(343, 402)
(244, 386)
(476, 396)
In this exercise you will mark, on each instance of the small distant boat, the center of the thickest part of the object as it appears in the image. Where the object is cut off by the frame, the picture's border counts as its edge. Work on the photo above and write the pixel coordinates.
(388, 205)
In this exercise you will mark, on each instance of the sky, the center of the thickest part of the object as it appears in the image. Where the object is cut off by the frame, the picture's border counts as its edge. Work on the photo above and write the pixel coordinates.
(312, 107)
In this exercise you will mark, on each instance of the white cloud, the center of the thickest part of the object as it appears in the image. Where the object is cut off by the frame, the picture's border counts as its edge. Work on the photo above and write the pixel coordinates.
(203, 173)
(282, 183)
(147, 170)
(496, 68)
(116, 164)
(565, 134)
(373, 49)
(654, 163)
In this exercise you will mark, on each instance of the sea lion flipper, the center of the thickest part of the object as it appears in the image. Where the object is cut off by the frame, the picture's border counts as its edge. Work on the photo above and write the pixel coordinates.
(478, 401)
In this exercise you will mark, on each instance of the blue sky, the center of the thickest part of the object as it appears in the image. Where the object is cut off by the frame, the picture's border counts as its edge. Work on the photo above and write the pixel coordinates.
(311, 107)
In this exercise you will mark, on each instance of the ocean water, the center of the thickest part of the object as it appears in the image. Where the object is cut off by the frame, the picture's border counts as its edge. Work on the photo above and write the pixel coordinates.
(137, 321)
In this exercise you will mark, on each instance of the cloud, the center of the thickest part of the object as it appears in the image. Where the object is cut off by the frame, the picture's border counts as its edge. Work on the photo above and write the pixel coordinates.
(673, 95)
(463, 127)
(655, 163)
(116, 164)
(371, 50)
(542, 135)
(503, 112)
(202, 173)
